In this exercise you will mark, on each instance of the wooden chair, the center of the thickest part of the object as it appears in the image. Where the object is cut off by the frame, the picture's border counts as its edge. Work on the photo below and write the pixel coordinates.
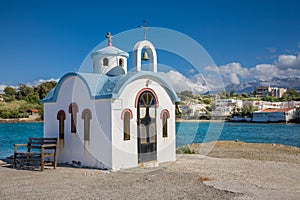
(40, 151)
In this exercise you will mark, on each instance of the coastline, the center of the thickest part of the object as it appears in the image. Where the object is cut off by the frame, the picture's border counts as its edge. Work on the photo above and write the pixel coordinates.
(200, 120)
(232, 121)
(20, 120)
(28, 120)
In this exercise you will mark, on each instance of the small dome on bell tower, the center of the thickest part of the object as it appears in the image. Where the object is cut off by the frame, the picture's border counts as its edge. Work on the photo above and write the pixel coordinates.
(104, 60)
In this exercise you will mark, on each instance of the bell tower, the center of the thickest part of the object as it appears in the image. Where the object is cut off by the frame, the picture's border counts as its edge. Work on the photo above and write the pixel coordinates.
(144, 50)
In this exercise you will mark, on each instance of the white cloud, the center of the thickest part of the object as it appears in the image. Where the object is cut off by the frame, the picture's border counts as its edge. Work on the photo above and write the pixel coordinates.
(288, 62)
(181, 83)
(212, 68)
(32, 84)
(285, 66)
(191, 71)
(40, 81)
(232, 71)
(263, 72)
(2, 88)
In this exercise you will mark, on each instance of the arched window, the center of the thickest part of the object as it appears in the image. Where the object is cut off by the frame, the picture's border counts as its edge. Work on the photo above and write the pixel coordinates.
(86, 116)
(61, 117)
(126, 116)
(121, 62)
(73, 109)
(105, 61)
(165, 115)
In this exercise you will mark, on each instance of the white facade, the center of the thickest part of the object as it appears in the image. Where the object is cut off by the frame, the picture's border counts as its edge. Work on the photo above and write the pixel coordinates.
(262, 105)
(116, 120)
(275, 115)
(263, 91)
(226, 107)
(193, 109)
(256, 104)
(290, 104)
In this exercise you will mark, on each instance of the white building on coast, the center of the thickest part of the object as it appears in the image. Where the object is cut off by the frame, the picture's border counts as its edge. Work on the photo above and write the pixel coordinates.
(262, 91)
(226, 107)
(275, 115)
(113, 118)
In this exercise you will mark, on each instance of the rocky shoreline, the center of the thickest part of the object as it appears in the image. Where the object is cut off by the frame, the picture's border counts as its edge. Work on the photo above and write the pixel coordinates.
(20, 120)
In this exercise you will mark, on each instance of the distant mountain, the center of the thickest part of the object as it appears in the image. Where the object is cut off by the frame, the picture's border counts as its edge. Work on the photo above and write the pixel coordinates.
(249, 86)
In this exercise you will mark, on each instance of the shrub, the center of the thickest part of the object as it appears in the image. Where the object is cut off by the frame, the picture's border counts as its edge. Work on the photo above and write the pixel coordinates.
(4, 115)
(14, 114)
(184, 150)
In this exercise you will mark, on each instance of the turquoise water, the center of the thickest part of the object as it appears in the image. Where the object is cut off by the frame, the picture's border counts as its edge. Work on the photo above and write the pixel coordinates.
(186, 133)
(288, 134)
(17, 133)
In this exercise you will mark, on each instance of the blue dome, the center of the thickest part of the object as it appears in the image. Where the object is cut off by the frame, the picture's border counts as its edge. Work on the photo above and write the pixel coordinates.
(116, 71)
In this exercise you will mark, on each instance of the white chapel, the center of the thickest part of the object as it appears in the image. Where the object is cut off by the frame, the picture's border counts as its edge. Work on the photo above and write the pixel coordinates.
(112, 118)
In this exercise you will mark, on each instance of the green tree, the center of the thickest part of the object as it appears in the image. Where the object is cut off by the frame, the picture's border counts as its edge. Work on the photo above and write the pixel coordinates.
(41, 111)
(43, 89)
(248, 110)
(9, 94)
(232, 92)
(207, 100)
(187, 93)
(253, 93)
(245, 95)
(4, 114)
(177, 111)
(268, 98)
(14, 114)
(224, 95)
(33, 98)
(24, 91)
(291, 94)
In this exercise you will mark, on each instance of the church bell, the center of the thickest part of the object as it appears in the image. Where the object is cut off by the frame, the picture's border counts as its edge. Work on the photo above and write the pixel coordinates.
(145, 56)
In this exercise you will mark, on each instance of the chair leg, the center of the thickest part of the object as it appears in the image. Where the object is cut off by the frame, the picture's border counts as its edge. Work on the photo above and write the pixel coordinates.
(55, 157)
(42, 159)
(28, 157)
(55, 161)
(15, 161)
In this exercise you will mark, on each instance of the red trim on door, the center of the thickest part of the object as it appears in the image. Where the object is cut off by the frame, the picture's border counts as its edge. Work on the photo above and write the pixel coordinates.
(144, 90)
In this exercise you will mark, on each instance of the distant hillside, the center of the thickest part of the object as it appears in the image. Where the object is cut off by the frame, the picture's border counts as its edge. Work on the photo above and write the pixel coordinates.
(249, 86)
(19, 102)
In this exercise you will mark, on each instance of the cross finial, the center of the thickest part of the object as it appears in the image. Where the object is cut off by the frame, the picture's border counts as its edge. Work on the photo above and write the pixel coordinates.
(108, 36)
(145, 29)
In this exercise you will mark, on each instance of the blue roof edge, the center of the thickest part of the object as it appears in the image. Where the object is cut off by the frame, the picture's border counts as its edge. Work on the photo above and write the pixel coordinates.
(121, 83)
(147, 75)
(52, 95)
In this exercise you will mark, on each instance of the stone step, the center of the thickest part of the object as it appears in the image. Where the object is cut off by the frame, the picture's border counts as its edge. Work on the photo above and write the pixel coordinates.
(149, 164)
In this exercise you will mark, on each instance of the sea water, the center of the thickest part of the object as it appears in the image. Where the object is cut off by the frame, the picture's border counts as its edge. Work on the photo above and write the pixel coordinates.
(186, 133)
(196, 132)
(17, 133)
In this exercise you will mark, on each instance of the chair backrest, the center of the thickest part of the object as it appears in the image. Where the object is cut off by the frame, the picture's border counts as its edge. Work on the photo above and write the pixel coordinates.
(38, 142)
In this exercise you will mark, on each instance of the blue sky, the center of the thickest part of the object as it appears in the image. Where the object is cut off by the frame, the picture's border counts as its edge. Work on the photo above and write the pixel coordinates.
(46, 39)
